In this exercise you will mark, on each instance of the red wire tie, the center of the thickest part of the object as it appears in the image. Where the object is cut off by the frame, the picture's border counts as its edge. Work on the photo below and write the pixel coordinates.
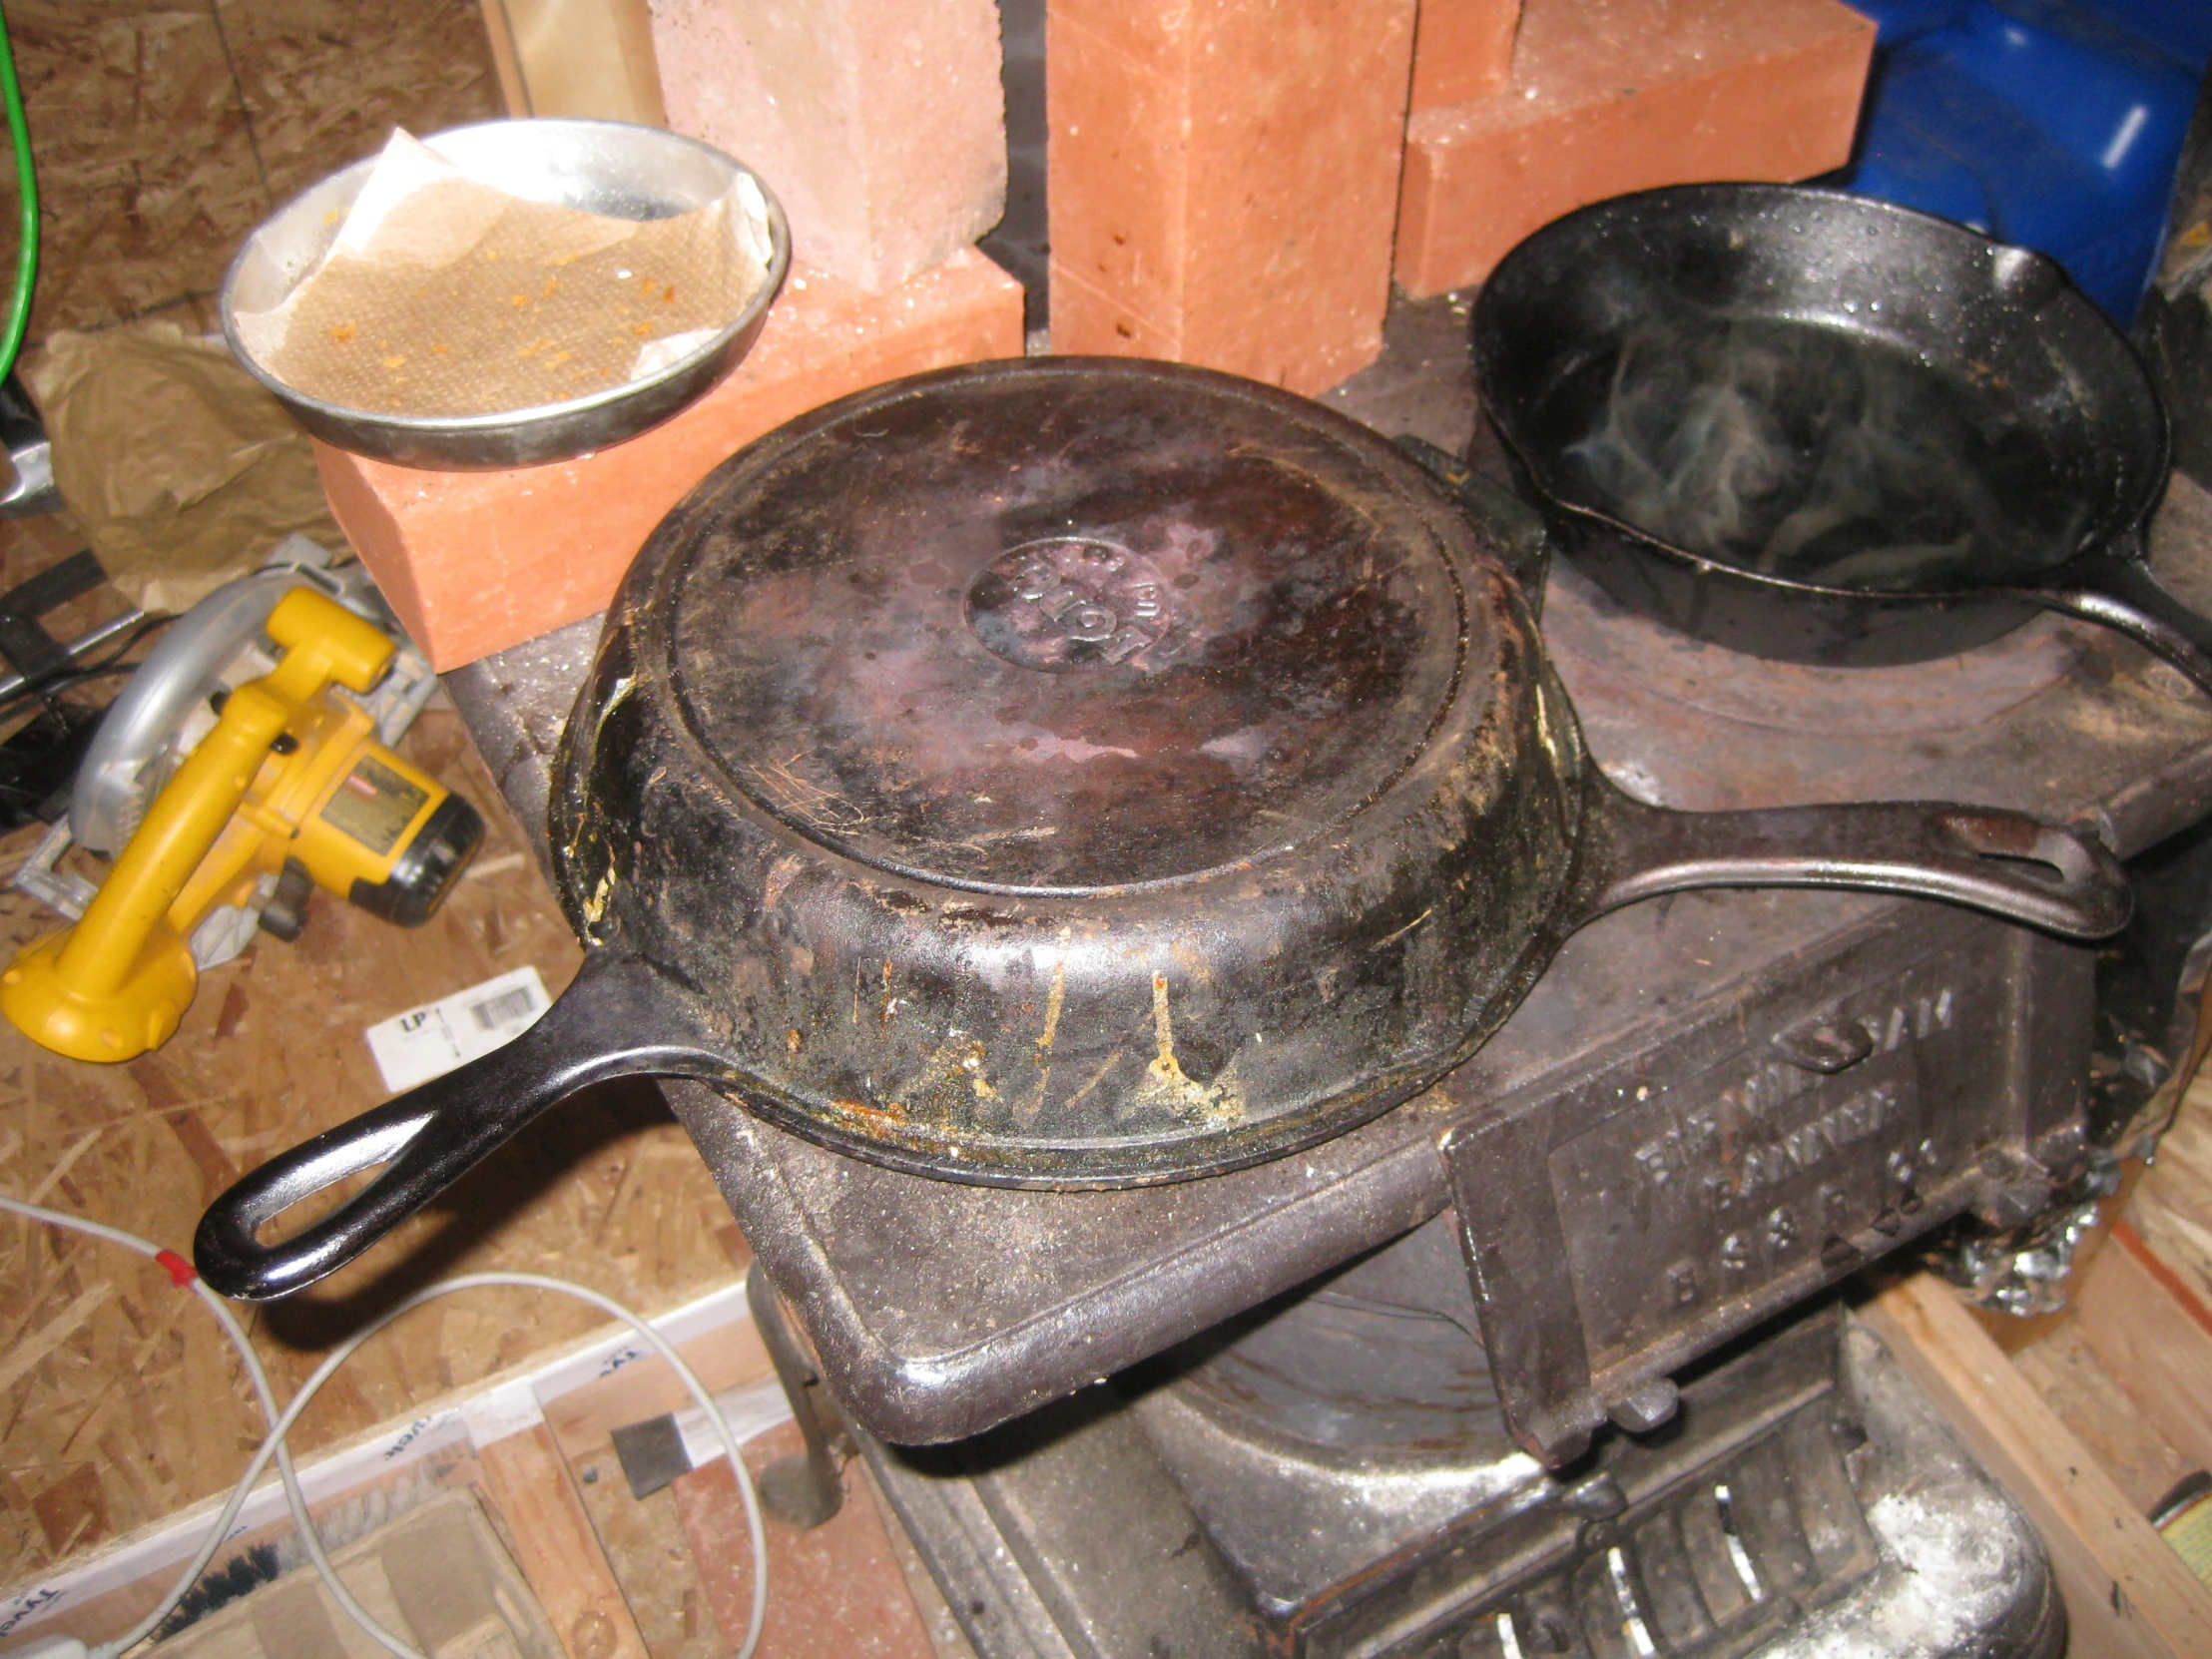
(181, 1272)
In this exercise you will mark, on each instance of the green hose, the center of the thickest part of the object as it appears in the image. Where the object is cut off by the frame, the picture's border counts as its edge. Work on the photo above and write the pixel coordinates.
(26, 253)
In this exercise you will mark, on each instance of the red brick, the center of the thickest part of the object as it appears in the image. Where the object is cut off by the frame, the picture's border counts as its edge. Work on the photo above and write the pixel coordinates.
(474, 562)
(879, 124)
(1610, 96)
(1223, 179)
(1464, 49)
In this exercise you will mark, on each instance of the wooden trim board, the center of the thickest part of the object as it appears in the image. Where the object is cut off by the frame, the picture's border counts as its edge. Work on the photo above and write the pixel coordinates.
(2155, 1339)
(2127, 1594)
(577, 58)
(528, 1481)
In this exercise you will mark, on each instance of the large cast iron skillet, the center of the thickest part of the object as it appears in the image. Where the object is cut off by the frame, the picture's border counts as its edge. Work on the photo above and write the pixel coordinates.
(1994, 401)
(1069, 772)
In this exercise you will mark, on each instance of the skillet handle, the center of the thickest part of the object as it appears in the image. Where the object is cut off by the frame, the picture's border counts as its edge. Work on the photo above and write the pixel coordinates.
(2118, 591)
(619, 1018)
(2007, 863)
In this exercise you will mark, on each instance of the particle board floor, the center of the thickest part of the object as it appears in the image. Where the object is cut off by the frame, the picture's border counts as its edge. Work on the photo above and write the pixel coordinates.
(119, 1400)
(121, 1403)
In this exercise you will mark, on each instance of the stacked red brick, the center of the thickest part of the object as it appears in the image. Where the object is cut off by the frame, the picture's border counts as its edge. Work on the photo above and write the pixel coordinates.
(1223, 176)
(1610, 96)
(880, 126)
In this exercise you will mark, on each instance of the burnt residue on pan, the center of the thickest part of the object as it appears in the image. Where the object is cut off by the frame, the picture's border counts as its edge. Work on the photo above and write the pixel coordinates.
(1050, 657)
(1108, 763)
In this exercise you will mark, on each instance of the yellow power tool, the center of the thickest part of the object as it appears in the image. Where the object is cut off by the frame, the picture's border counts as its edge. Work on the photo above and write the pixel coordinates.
(291, 784)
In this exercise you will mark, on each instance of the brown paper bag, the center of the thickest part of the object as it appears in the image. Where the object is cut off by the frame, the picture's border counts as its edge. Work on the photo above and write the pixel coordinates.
(182, 472)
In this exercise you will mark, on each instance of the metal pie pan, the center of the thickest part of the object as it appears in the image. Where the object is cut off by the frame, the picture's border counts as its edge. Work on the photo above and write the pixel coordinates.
(613, 168)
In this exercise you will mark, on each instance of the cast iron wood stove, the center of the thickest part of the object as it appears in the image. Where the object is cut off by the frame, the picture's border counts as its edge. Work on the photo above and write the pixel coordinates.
(1540, 1360)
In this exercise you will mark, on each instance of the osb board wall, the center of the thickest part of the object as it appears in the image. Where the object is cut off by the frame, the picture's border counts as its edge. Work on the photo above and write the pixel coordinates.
(120, 1400)
(163, 133)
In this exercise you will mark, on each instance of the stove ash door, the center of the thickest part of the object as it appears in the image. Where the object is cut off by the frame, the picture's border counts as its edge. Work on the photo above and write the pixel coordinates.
(1669, 1200)
(1327, 1477)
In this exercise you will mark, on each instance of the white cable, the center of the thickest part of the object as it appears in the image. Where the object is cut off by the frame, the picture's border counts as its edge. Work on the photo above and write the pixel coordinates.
(221, 1528)
(280, 1424)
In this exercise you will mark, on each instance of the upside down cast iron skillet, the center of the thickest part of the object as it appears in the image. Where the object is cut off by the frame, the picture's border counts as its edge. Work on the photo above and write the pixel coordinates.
(1075, 772)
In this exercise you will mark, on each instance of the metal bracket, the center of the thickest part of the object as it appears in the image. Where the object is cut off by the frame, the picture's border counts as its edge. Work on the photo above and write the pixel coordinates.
(28, 648)
(41, 877)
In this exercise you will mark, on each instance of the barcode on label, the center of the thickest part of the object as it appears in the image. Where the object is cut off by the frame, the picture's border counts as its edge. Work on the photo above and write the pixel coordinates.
(503, 1010)
(429, 1041)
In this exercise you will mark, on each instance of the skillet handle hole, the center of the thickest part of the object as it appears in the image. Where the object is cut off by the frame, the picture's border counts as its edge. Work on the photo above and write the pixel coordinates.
(2025, 849)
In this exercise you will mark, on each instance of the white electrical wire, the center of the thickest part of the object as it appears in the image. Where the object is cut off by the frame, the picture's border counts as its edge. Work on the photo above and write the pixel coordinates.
(280, 1424)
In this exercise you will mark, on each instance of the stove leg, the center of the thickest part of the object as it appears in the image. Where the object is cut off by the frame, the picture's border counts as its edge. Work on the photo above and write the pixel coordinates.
(806, 1489)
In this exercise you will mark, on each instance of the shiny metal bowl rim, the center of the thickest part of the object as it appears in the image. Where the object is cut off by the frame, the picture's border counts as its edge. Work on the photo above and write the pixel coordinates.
(434, 426)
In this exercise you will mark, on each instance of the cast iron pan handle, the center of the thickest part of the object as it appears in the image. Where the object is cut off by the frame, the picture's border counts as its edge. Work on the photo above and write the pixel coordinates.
(2008, 863)
(619, 1018)
(2118, 591)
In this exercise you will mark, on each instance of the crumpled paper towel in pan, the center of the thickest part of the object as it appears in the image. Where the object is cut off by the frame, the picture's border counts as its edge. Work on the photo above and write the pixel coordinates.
(441, 295)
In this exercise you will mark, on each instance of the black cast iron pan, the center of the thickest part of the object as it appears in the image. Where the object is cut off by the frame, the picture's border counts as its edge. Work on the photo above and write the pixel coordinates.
(1071, 773)
(1821, 429)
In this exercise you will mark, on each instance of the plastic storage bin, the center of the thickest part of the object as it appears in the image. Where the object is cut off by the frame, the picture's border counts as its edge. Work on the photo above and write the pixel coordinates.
(2050, 123)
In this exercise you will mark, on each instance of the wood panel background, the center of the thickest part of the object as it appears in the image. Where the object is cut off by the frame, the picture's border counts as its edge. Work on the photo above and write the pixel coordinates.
(163, 133)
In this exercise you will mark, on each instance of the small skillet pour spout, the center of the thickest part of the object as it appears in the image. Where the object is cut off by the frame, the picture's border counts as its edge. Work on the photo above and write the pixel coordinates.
(1069, 772)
